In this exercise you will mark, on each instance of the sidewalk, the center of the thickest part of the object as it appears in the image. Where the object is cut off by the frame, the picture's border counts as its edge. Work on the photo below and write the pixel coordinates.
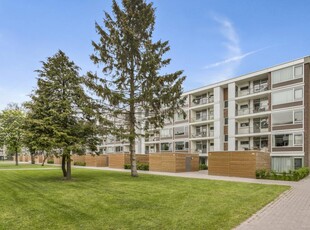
(199, 175)
(290, 211)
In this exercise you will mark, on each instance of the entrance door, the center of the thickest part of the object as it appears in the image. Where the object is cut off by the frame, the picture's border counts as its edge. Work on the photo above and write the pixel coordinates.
(188, 164)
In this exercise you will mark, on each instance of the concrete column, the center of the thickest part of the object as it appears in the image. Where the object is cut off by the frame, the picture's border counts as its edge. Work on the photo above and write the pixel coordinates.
(231, 116)
(218, 119)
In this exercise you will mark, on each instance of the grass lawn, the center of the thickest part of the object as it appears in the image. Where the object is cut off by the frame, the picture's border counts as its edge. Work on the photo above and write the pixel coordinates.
(94, 199)
(11, 165)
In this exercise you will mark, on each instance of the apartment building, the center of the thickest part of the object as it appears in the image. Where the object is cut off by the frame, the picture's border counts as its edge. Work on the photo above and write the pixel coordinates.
(265, 110)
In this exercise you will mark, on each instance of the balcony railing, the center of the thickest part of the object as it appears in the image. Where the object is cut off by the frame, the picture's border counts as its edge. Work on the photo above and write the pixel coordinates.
(246, 111)
(203, 134)
(202, 101)
(249, 91)
(250, 129)
(203, 118)
(152, 139)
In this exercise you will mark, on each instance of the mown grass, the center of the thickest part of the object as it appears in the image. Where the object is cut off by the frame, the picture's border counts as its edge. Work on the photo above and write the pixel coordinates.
(97, 199)
(22, 165)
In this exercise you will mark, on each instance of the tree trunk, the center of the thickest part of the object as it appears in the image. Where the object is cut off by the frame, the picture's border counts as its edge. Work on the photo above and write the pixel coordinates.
(68, 167)
(63, 166)
(132, 120)
(45, 156)
(32, 155)
(16, 158)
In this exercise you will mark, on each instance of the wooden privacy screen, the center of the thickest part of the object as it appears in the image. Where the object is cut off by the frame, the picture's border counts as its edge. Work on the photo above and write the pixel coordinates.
(174, 162)
(237, 163)
(118, 160)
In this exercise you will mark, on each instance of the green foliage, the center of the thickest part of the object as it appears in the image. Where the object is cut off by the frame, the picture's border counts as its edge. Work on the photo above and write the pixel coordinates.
(61, 116)
(203, 167)
(140, 166)
(131, 63)
(79, 163)
(50, 161)
(295, 175)
(11, 128)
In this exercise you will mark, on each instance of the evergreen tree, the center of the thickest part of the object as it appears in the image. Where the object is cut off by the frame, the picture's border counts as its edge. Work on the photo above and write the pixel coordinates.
(61, 113)
(132, 65)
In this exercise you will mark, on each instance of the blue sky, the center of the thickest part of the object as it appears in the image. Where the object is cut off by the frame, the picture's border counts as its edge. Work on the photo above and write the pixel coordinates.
(211, 40)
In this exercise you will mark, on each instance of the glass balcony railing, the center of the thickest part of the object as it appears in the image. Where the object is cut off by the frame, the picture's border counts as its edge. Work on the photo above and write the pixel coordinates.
(202, 101)
(250, 130)
(246, 111)
(203, 118)
(249, 91)
(203, 134)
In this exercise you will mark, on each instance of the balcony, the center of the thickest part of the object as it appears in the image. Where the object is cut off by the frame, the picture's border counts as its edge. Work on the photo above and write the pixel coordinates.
(152, 138)
(254, 110)
(251, 130)
(202, 101)
(203, 134)
(203, 118)
(251, 91)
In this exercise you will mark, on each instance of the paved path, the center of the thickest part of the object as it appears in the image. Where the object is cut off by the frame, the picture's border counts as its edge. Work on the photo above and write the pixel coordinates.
(290, 211)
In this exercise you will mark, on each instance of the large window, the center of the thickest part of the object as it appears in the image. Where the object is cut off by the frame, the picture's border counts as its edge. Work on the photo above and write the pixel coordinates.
(183, 130)
(287, 74)
(165, 146)
(166, 133)
(287, 96)
(287, 140)
(181, 146)
(287, 117)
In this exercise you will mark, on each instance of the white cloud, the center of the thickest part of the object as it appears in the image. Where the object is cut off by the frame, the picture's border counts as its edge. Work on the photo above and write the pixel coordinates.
(232, 59)
(233, 56)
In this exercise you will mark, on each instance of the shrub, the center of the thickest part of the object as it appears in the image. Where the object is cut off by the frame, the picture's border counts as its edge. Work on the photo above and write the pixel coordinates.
(140, 166)
(295, 175)
(50, 161)
(79, 163)
(127, 166)
(203, 167)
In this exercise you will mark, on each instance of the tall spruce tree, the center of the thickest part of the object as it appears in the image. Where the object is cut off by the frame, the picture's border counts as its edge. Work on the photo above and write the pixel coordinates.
(61, 113)
(132, 65)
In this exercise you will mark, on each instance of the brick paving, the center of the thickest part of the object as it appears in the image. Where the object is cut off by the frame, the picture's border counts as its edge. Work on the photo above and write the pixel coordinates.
(290, 211)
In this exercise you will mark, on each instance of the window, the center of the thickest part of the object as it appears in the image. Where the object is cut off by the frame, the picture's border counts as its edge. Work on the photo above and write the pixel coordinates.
(244, 106)
(282, 118)
(298, 140)
(244, 124)
(298, 116)
(226, 104)
(297, 163)
(287, 96)
(244, 142)
(282, 75)
(260, 85)
(226, 121)
(298, 94)
(282, 140)
(183, 130)
(118, 149)
(226, 138)
(298, 71)
(181, 146)
(244, 88)
(180, 116)
(166, 132)
(165, 146)
(287, 117)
